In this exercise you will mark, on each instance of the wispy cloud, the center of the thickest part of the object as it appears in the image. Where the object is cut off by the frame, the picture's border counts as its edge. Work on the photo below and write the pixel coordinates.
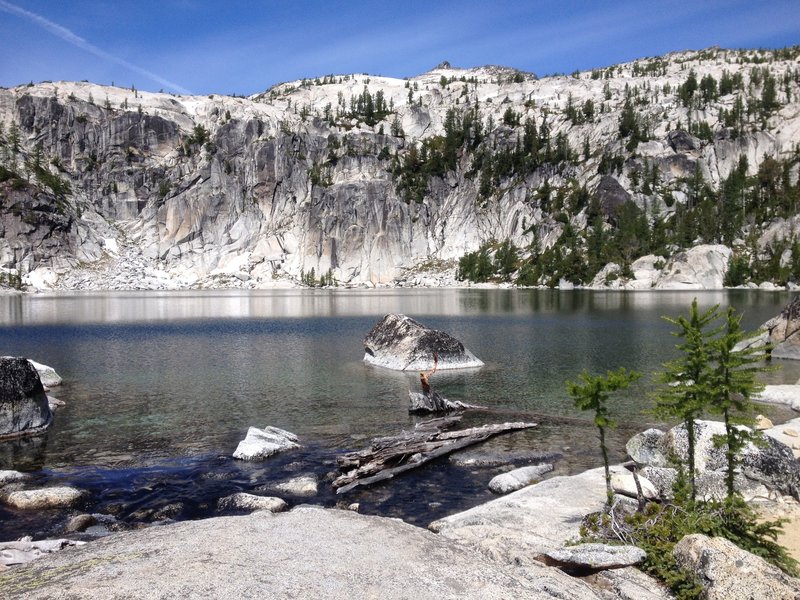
(79, 42)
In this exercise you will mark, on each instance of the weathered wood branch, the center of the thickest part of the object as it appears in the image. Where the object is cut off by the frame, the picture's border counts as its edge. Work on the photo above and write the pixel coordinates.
(390, 456)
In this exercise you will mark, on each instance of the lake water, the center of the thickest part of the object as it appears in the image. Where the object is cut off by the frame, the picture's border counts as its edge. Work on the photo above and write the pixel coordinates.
(160, 388)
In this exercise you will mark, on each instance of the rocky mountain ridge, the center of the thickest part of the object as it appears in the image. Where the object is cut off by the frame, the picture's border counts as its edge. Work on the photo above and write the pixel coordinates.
(365, 180)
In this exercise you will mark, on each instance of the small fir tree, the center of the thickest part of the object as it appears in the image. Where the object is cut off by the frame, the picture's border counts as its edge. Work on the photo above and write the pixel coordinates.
(593, 395)
(687, 378)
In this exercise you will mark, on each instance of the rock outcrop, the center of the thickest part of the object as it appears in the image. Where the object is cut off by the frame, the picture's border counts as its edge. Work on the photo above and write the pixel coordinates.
(24, 409)
(727, 572)
(294, 554)
(700, 268)
(399, 342)
(259, 444)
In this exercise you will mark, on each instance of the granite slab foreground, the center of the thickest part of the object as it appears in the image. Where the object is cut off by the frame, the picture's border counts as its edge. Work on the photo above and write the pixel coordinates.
(308, 552)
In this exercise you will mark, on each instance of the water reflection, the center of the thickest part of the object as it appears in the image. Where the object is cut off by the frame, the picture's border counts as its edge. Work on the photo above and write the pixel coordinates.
(154, 378)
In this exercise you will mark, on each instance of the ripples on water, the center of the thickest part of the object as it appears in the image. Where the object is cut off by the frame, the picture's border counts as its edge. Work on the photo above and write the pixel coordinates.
(160, 387)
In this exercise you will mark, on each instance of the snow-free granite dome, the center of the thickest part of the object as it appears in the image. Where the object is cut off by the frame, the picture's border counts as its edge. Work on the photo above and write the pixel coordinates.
(401, 343)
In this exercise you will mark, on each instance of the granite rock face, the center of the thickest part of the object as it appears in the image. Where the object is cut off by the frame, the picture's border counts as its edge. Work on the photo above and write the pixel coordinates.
(162, 191)
(729, 573)
(399, 342)
(309, 552)
(24, 409)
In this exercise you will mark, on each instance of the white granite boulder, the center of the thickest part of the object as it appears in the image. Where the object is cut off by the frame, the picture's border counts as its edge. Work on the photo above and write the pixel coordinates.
(263, 443)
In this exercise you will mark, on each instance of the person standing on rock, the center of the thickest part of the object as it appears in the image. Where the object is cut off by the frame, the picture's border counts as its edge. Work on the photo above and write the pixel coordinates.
(423, 376)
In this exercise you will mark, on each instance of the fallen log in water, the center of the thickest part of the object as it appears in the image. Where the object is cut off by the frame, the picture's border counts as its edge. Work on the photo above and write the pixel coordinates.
(388, 456)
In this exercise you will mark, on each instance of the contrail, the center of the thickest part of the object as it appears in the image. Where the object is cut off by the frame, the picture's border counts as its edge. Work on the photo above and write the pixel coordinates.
(71, 38)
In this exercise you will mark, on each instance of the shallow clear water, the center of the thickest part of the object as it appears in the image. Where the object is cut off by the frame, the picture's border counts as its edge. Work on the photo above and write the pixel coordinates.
(160, 387)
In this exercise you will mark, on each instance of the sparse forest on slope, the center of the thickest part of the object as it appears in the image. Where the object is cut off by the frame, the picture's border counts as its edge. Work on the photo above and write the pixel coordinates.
(676, 171)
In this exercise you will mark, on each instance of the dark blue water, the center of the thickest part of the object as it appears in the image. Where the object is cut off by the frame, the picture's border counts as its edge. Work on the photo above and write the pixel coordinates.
(160, 387)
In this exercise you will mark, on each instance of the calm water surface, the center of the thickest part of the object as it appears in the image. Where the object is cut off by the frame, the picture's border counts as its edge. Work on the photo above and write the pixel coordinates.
(160, 387)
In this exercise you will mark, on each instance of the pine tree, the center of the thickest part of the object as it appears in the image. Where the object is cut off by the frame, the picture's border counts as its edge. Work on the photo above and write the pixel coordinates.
(688, 377)
(733, 383)
(593, 395)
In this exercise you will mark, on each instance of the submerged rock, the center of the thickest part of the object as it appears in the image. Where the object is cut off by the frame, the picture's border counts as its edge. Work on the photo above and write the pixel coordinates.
(305, 485)
(399, 342)
(24, 409)
(54, 497)
(727, 572)
(263, 443)
(518, 478)
(251, 502)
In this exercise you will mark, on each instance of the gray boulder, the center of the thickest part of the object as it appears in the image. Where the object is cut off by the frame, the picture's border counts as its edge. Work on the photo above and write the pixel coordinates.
(305, 485)
(582, 557)
(259, 444)
(518, 478)
(729, 573)
(645, 449)
(53, 497)
(24, 409)
(399, 342)
(251, 502)
(483, 459)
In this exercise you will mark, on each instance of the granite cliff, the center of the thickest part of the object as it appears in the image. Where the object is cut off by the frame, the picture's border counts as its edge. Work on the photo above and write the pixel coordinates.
(358, 179)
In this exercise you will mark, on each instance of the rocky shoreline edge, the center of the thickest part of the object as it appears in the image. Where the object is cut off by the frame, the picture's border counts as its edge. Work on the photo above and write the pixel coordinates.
(520, 545)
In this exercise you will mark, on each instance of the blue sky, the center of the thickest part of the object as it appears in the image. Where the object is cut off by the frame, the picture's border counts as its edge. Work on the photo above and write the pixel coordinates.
(240, 47)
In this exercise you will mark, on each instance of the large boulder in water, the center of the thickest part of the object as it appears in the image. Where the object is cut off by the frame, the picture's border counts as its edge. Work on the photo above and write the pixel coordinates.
(401, 343)
(781, 332)
(24, 409)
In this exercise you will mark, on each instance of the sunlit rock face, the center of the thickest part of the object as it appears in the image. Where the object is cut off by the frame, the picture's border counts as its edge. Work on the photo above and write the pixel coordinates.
(124, 189)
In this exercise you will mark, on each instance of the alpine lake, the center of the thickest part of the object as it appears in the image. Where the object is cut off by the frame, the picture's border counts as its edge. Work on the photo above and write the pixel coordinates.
(161, 386)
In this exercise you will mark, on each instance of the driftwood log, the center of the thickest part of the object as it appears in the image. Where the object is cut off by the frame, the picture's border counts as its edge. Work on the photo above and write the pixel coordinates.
(389, 456)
